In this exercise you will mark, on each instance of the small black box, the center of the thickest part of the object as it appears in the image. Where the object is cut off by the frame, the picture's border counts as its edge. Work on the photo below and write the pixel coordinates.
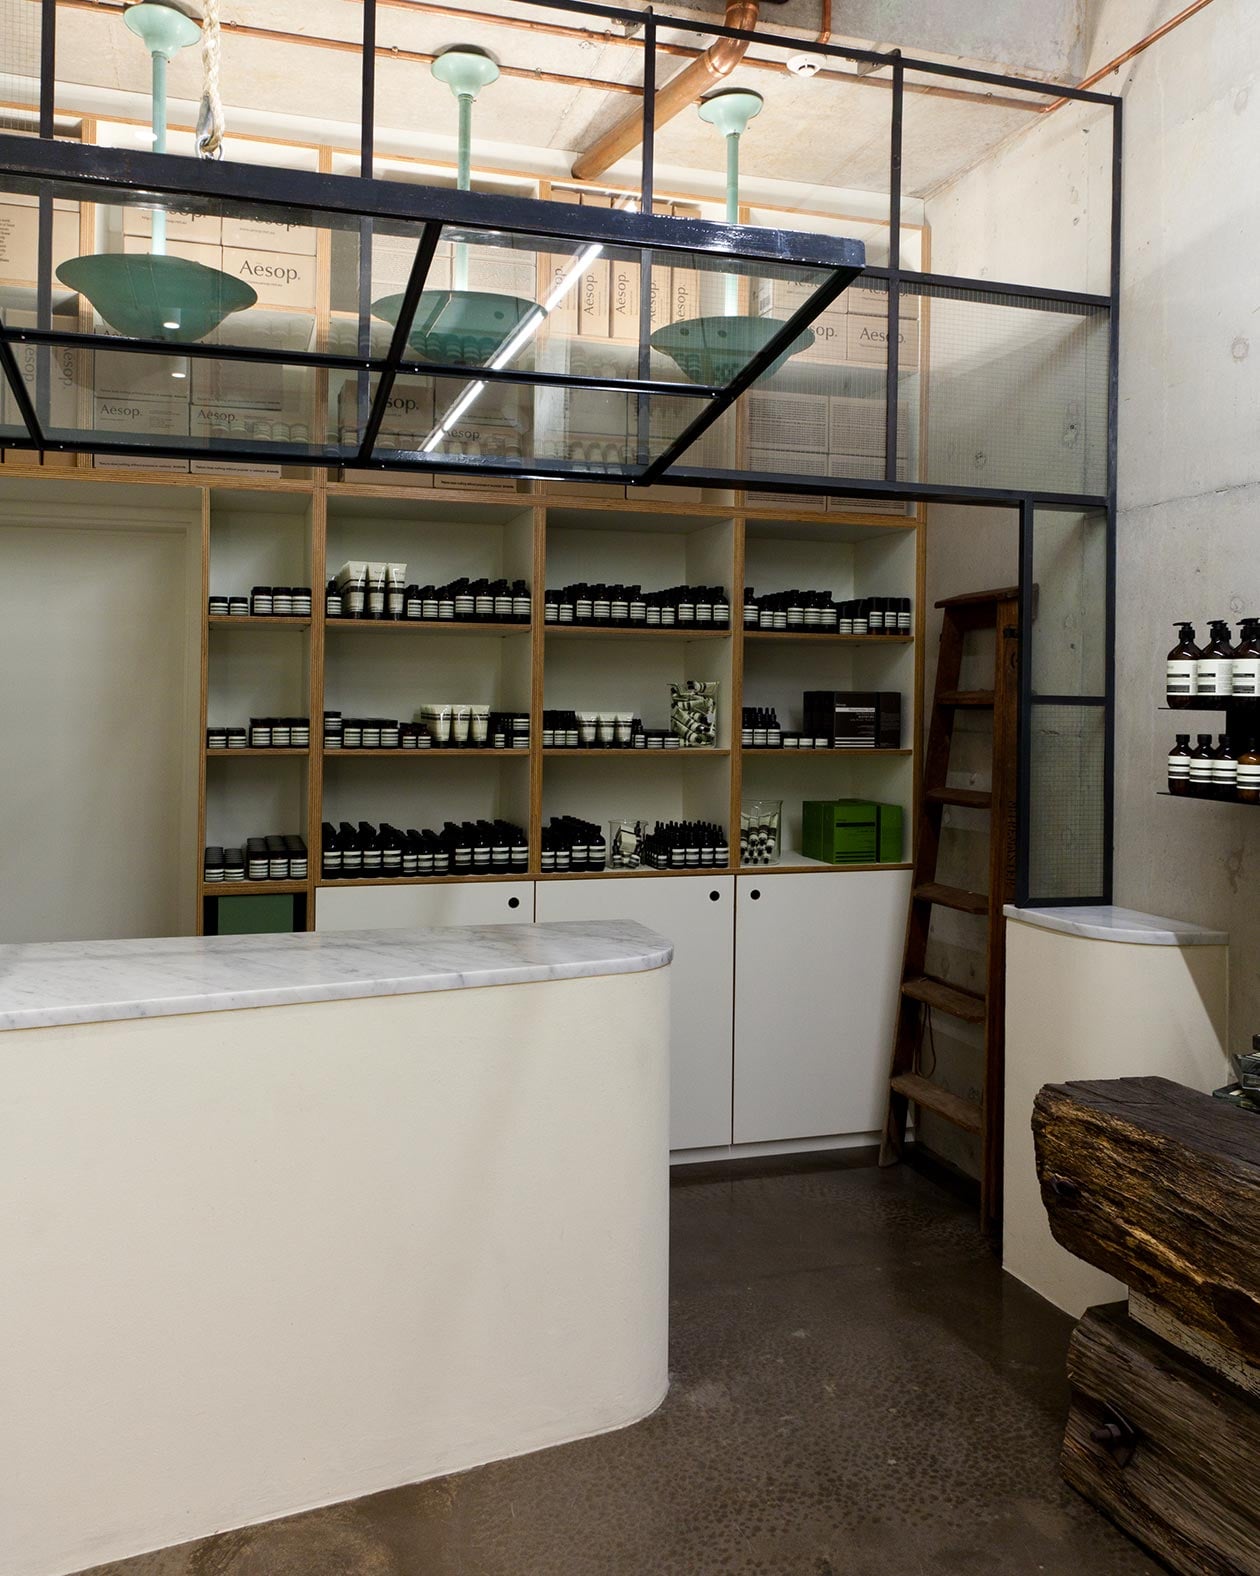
(855, 719)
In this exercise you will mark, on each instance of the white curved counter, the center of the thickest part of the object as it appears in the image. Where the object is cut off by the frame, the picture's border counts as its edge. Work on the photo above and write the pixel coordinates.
(292, 1219)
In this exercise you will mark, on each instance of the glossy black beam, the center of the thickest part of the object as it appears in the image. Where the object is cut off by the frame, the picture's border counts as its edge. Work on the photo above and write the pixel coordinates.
(420, 266)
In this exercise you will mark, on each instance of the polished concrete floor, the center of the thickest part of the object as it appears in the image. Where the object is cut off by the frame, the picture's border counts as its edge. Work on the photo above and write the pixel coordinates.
(857, 1391)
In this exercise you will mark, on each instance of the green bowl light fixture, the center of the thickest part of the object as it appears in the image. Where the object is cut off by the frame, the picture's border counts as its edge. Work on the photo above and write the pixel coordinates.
(461, 327)
(151, 295)
(714, 350)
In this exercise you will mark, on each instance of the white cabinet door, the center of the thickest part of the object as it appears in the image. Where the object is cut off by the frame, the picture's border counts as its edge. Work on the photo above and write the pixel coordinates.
(696, 913)
(817, 968)
(410, 907)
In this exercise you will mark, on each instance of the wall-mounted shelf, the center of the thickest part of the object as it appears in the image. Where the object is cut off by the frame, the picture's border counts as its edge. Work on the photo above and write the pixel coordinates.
(428, 626)
(827, 755)
(251, 754)
(629, 632)
(622, 752)
(268, 621)
(823, 638)
(428, 752)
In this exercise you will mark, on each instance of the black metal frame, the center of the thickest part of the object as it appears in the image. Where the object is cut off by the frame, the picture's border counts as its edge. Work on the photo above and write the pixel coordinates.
(366, 204)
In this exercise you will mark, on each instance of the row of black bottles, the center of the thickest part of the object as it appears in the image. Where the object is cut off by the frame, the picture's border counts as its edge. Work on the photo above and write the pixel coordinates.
(572, 844)
(1215, 771)
(278, 857)
(460, 601)
(686, 845)
(630, 607)
(263, 602)
(817, 612)
(460, 848)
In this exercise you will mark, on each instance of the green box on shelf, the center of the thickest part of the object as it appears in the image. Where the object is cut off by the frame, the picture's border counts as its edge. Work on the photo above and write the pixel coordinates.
(268, 914)
(851, 832)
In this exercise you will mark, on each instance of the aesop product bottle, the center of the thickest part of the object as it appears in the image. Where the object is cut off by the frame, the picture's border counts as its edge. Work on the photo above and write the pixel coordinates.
(1215, 667)
(1245, 673)
(1201, 767)
(1249, 773)
(1183, 663)
(1224, 770)
(1179, 765)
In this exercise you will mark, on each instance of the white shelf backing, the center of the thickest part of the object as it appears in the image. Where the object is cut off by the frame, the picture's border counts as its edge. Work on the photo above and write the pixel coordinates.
(635, 675)
(254, 797)
(424, 794)
(372, 673)
(671, 790)
(829, 774)
(259, 538)
(438, 541)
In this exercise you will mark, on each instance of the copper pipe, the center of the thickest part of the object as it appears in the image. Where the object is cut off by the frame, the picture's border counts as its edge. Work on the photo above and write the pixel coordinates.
(1131, 53)
(717, 63)
(824, 25)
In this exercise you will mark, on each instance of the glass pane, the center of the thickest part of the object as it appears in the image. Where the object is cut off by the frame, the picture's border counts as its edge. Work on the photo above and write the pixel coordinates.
(1069, 572)
(1066, 843)
(198, 405)
(1013, 392)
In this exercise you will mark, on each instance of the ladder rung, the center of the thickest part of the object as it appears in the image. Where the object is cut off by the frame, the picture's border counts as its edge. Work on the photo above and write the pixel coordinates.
(965, 698)
(958, 1003)
(953, 897)
(968, 798)
(962, 1113)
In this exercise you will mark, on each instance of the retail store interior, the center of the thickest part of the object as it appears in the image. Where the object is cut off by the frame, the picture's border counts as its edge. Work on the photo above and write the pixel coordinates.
(603, 609)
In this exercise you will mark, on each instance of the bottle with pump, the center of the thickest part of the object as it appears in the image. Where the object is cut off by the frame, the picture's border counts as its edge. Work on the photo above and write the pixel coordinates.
(1201, 767)
(1214, 673)
(1179, 765)
(1181, 683)
(1245, 673)
(1224, 770)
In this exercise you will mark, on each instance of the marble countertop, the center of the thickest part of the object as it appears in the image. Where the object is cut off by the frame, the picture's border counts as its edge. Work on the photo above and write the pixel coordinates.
(1105, 922)
(43, 984)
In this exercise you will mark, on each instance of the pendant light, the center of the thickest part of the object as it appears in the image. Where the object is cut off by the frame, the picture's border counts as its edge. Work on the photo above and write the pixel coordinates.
(714, 350)
(152, 295)
(460, 326)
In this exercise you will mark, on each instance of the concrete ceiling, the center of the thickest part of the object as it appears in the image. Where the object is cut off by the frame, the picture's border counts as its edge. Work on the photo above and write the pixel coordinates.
(813, 133)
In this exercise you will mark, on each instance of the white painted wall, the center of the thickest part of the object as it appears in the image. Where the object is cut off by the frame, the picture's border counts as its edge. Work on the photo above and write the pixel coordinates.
(98, 712)
(1078, 1008)
(265, 1260)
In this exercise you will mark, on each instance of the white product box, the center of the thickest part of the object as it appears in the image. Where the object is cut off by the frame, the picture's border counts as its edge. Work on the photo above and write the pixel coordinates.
(157, 418)
(857, 427)
(781, 297)
(266, 235)
(280, 278)
(253, 385)
(868, 341)
(209, 256)
(233, 468)
(594, 282)
(793, 422)
(865, 301)
(66, 381)
(201, 229)
(792, 462)
(503, 270)
(848, 465)
(623, 299)
(19, 240)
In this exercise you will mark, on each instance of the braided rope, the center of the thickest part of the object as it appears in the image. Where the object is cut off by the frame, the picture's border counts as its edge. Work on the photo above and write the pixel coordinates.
(211, 126)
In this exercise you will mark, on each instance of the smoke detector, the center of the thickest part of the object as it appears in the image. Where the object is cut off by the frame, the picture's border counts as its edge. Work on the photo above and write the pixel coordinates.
(803, 65)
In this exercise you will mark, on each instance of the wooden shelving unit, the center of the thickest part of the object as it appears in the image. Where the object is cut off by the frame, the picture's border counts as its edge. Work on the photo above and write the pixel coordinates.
(285, 531)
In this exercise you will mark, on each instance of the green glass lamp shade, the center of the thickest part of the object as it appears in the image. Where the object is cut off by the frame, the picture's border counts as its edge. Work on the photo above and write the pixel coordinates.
(459, 327)
(157, 297)
(715, 350)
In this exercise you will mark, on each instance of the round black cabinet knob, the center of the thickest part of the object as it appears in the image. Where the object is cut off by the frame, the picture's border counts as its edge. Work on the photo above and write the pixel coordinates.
(514, 902)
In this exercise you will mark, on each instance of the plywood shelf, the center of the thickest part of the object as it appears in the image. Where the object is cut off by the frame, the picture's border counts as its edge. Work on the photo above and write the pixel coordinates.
(255, 754)
(429, 752)
(254, 621)
(760, 750)
(621, 752)
(823, 638)
(630, 632)
(254, 888)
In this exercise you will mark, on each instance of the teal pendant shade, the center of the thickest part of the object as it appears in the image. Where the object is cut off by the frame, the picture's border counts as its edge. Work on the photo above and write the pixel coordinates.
(715, 350)
(157, 297)
(458, 327)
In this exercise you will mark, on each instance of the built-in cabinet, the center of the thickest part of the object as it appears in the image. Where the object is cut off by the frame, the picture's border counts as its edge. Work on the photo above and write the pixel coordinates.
(817, 965)
(784, 985)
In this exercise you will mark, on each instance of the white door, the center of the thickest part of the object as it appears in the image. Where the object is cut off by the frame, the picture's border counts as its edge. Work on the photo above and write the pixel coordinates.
(412, 907)
(817, 968)
(696, 913)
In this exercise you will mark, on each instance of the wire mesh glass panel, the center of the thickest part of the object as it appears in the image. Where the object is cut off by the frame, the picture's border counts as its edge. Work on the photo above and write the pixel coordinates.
(19, 64)
(1069, 574)
(1014, 392)
(1066, 802)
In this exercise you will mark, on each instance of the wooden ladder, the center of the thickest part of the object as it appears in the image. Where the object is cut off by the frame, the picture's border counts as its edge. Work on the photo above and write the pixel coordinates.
(921, 993)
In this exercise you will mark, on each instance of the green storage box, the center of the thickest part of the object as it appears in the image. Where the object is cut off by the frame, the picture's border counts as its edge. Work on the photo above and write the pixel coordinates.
(267, 914)
(851, 832)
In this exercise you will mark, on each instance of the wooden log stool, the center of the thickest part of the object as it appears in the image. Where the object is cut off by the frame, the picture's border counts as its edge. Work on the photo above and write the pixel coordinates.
(1159, 1186)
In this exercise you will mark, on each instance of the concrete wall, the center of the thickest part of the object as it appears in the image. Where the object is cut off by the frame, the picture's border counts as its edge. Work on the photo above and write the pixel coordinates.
(1189, 481)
